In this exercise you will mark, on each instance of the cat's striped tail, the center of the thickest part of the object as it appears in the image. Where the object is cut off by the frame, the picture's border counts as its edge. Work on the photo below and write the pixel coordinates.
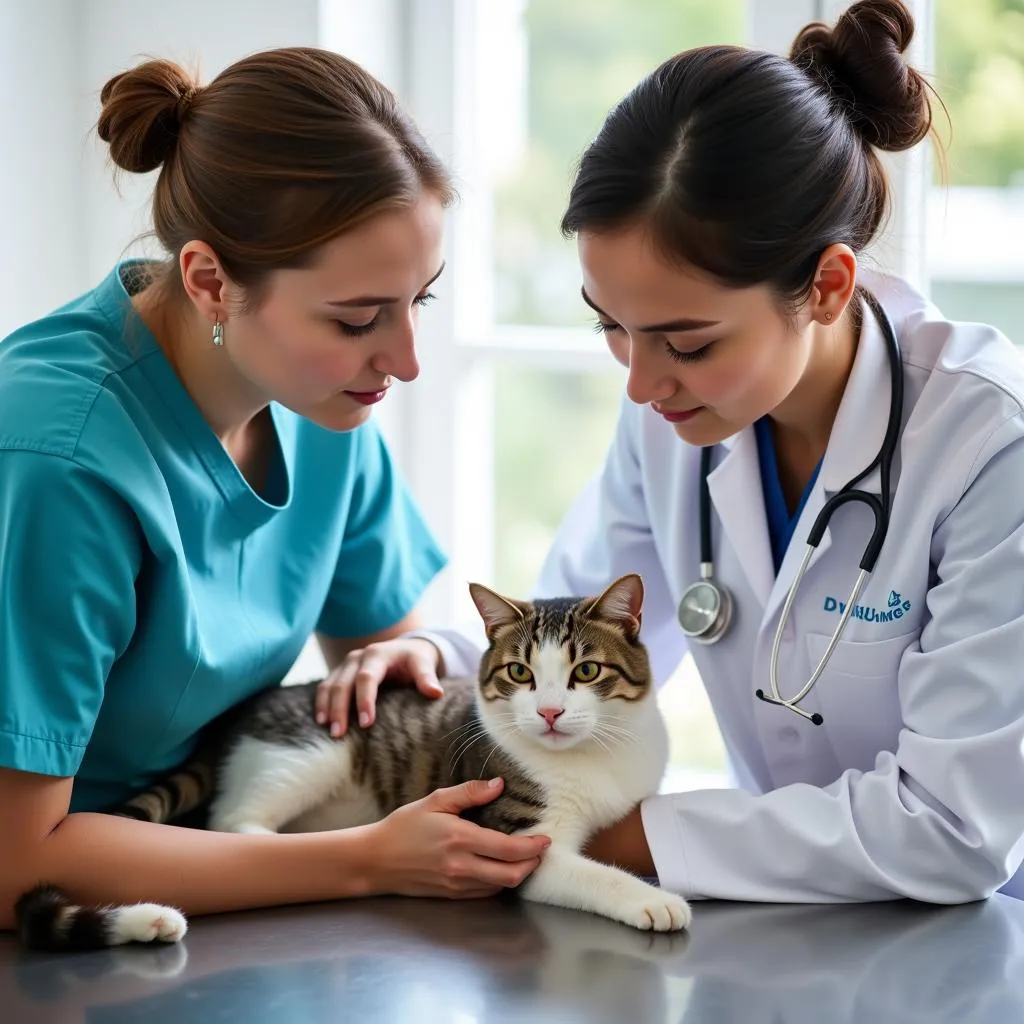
(185, 789)
(48, 920)
(175, 795)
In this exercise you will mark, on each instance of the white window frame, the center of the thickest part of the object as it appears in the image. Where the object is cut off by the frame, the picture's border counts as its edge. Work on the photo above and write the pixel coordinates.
(442, 428)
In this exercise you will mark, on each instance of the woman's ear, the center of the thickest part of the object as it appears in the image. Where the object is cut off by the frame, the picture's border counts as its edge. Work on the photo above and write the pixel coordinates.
(205, 282)
(834, 284)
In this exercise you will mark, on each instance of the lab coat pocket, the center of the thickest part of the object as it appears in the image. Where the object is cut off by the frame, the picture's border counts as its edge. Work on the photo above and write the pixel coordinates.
(859, 695)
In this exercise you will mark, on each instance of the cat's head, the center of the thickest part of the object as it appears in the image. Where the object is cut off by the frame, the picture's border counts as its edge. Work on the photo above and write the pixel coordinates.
(566, 670)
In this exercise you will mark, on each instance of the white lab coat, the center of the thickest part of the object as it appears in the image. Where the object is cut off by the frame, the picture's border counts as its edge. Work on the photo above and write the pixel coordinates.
(914, 785)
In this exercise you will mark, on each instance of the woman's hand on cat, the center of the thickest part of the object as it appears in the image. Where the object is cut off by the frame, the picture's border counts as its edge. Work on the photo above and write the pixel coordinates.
(426, 849)
(410, 660)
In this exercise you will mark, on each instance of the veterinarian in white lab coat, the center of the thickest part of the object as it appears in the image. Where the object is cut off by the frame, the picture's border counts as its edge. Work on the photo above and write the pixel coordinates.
(720, 216)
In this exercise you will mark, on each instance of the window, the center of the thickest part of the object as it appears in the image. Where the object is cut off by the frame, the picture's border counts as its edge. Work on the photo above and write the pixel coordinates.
(570, 417)
(976, 220)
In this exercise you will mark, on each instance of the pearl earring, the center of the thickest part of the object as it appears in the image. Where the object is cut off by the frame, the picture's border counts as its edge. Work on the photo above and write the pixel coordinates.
(218, 333)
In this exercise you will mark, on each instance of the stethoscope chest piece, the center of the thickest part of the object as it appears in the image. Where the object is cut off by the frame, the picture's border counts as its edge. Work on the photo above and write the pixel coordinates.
(705, 611)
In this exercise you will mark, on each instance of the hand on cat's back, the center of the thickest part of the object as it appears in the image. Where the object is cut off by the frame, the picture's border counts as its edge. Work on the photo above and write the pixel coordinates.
(411, 660)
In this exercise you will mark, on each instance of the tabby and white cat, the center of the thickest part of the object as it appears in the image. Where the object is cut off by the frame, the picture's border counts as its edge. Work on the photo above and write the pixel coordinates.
(564, 710)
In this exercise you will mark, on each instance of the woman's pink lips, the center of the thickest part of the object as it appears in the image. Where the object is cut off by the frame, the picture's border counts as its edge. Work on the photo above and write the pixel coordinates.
(681, 417)
(367, 397)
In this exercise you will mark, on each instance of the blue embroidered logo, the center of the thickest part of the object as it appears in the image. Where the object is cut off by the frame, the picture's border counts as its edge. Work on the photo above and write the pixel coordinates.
(896, 610)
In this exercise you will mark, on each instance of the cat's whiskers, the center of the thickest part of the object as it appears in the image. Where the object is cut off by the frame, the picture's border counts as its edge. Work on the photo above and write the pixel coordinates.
(613, 727)
(624, 737)
(460, 728)
(477, 723)
(465, 745)
(483, 768)
(474, 723)
(607, 743)
(500, 728)
(620, 738)
(502, 716)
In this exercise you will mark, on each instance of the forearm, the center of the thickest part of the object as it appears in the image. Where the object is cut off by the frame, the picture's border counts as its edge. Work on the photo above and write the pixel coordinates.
(458, 650)
(100, 858)
(335, 648)
(623, 845)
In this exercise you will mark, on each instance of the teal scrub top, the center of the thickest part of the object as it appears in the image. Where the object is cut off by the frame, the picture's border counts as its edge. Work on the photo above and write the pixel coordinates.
(144, 586)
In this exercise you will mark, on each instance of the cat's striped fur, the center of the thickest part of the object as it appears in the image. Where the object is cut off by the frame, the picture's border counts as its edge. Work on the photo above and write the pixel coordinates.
(274, 769)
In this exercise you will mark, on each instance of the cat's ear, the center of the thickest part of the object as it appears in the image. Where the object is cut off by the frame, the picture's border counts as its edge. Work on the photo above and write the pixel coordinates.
(621, 604)
(495, 610)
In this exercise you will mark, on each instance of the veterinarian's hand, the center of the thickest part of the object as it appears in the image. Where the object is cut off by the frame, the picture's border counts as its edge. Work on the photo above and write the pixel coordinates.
(426, 849)
(410, 660)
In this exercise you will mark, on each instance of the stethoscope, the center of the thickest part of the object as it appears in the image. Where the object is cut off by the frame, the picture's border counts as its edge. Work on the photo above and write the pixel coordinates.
(706, 608)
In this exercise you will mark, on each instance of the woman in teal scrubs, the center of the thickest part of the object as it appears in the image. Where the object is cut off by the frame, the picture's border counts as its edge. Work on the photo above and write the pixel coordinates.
(190, 485)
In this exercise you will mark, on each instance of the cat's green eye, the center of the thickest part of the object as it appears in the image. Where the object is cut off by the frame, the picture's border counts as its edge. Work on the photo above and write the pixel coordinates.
(586, 671)
(519, 673)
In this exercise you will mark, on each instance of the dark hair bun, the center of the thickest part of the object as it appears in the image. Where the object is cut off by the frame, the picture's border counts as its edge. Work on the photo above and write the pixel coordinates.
(142, 113)
(861, 62)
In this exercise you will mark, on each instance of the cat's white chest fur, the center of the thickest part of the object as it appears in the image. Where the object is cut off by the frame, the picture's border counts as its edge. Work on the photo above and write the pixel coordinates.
(592, 786)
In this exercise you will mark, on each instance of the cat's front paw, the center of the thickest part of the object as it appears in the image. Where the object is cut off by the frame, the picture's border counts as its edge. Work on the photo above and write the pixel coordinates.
(149, 922)
(655, 910)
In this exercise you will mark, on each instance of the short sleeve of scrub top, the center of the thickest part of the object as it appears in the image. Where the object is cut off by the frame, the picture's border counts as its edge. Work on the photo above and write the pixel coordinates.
(146, 586)
(68, 559)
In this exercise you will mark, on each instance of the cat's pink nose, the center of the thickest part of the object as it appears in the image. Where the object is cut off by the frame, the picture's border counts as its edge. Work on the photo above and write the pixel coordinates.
(550, 714)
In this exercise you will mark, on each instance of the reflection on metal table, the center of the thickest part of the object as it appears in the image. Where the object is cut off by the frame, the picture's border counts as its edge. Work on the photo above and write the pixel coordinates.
(485, 962)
